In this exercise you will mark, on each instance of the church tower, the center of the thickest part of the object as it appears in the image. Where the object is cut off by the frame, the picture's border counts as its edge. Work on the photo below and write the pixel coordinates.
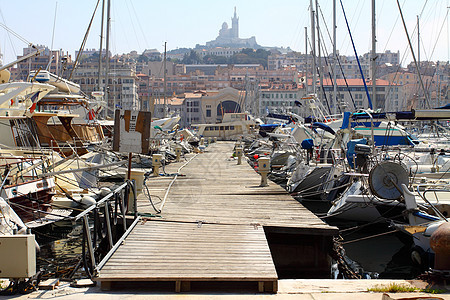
(235, 25)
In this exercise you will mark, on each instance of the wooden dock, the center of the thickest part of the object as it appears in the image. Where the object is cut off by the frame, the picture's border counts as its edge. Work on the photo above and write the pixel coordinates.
(187, 252)
(218, 224)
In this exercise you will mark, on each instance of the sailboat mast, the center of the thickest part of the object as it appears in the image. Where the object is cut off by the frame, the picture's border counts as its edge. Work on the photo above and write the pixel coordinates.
(306, 60)
(334, 101)
(418, 42)
(374, 57)
(319, 56)
(101, 47)
(165, 84)
(313, 44)
(413, 55)
(108, 24)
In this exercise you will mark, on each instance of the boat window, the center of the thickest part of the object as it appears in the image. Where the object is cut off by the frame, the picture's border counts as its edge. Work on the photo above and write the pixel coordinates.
(216, 128)
(221, 127)
(206, 128)
(227, 127)
(231, 127)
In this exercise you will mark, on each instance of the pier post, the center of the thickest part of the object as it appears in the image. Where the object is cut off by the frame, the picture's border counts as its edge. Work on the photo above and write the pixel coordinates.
(239, 155)
(178, 151)
(156, 163)
(264, 169)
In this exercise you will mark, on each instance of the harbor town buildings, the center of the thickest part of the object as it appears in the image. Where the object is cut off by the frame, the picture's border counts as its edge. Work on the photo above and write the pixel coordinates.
(139, 81)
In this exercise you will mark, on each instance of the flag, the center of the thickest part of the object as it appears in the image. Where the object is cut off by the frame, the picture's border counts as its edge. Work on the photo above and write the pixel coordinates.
(32, 107)
(91, 114)
(33, 100)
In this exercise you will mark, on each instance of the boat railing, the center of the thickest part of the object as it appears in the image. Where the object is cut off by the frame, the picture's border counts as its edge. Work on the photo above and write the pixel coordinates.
(421, 188)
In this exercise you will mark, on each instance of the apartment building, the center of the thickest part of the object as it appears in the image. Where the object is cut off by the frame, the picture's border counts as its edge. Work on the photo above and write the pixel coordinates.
(279, 100)
(122, 89)
(55, 61)
(352, 94)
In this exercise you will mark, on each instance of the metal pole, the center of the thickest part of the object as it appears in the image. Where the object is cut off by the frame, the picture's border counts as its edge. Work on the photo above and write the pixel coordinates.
(101, 46)
(89, 239)
(418, 42)
(334, 101)
(438, 88)
(373, 59)
(306, 60)
(319, 55)
(108, 24)
(413, 55)
(165, 84)
(313, 44)
(108, 225)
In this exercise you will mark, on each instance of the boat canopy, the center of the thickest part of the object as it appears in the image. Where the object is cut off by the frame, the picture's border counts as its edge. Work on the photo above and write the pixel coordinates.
(420, 115)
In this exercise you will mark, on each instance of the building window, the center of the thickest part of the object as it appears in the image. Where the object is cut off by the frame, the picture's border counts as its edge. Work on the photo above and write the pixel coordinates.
(208, 113)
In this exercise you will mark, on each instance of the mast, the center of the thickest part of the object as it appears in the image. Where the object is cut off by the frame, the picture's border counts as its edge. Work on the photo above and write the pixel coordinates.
(334, 101)
(165, 84)
(313, 44)
(418, 42)
(108, 25)
(374, 57)
(101, 46)
(438, 86)
(319, 56)
(413, 55)
(418, 58)
(306, 60)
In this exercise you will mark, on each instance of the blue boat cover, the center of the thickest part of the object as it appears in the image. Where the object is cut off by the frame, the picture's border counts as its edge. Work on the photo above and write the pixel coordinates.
(307, 144)
(323, 127)
(345, 120)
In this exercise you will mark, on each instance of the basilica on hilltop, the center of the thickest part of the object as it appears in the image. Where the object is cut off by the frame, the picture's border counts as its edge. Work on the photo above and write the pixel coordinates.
(229, 37)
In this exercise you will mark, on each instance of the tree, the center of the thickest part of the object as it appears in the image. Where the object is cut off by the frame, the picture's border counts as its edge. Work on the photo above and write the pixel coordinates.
(214, 59)
(192, 58)
(142, 58)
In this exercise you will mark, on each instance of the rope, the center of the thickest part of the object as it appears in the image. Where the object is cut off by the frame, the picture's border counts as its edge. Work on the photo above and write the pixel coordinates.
(173, 181)
(357, 59)
(369, 237)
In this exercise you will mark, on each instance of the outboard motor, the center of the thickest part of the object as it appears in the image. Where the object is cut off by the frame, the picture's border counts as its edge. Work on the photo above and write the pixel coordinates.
(362, 154)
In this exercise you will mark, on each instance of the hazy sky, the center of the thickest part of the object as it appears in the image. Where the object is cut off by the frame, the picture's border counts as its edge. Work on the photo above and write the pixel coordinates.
(144, 24)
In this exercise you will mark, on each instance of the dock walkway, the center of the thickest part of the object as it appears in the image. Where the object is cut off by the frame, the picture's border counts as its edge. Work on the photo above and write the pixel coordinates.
(218, 224)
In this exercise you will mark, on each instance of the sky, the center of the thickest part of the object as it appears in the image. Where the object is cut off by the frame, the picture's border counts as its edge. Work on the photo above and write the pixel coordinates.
(146, 24)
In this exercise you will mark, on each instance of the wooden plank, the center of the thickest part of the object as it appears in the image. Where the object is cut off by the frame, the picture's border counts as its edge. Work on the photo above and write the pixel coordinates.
(191, 253)
(217, 190)
(49, 284)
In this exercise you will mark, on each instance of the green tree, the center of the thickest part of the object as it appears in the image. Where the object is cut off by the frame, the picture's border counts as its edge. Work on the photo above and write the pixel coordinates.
(192, 58)
(142, 58)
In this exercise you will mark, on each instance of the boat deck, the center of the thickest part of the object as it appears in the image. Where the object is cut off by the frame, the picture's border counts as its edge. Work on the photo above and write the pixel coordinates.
(216, 224)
